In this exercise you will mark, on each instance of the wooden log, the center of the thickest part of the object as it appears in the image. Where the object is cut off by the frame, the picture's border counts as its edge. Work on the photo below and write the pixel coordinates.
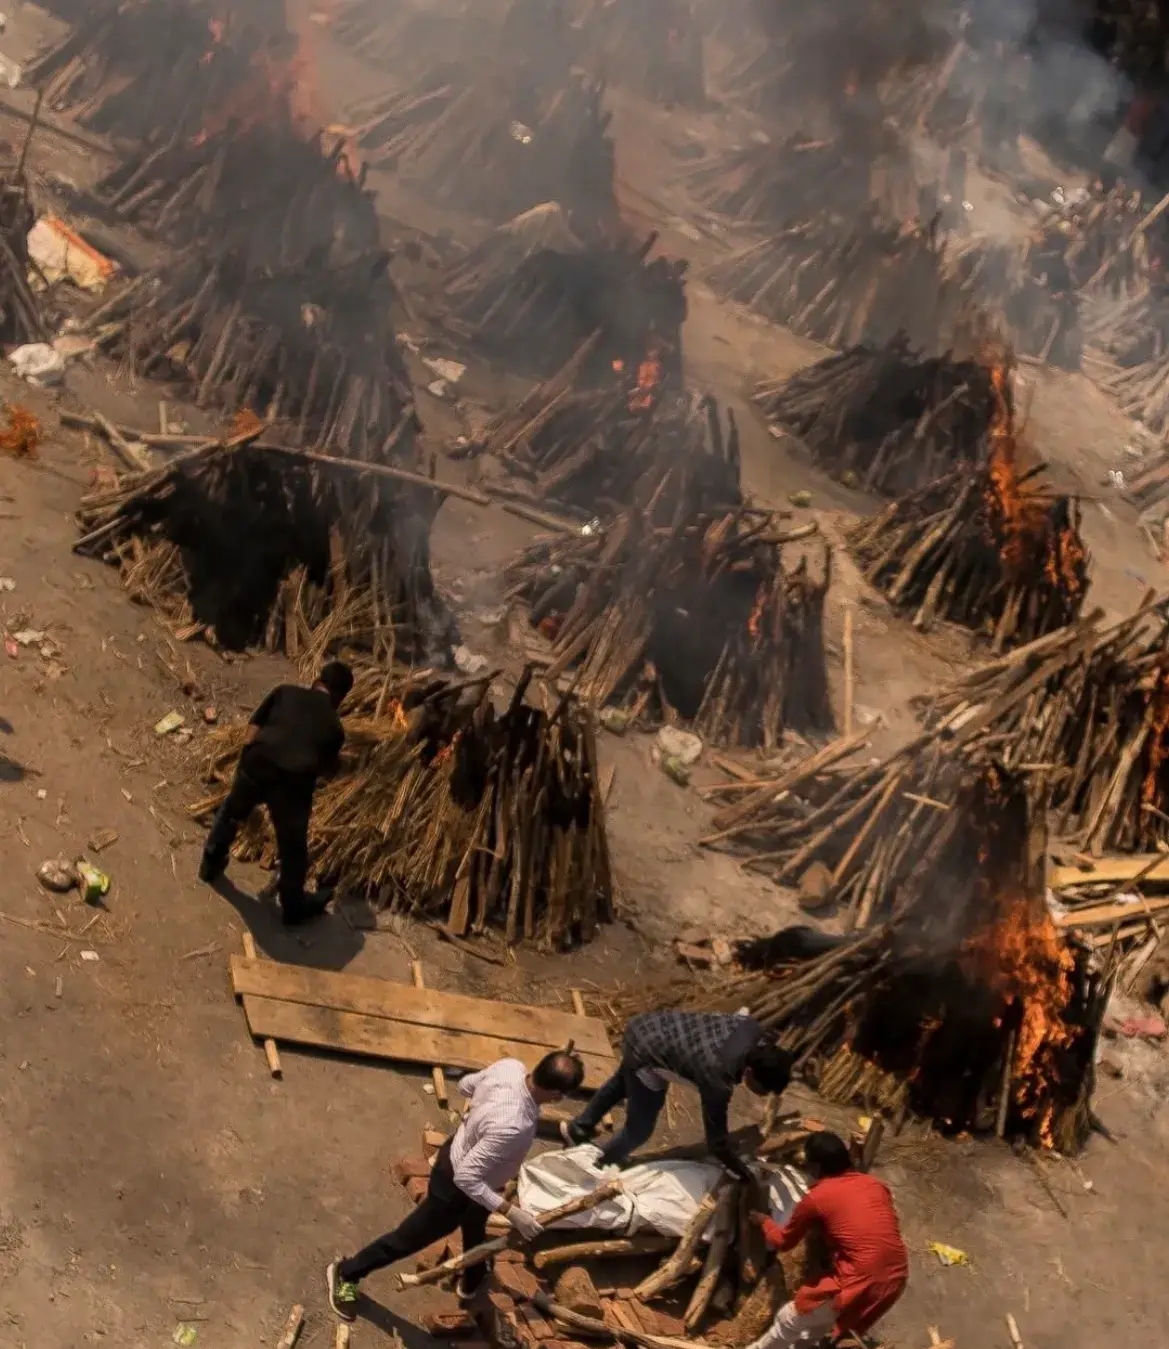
(600, 1330)
(676, 1266)
(609, 1248)
(376, 470)
(292, 1328)
(716, 1252)
(477, 1254)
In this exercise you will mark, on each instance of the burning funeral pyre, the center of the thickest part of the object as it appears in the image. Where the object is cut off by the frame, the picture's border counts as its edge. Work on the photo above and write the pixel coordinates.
(984, 546)
(841, 280)
(532, 292)
(242, 546)
(683, 605)
(969, 1008)
(889, 420)
(494, 145)
(444, 806)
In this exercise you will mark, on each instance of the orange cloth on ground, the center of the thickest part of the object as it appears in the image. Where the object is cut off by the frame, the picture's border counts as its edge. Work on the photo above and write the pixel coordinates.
(869, 1262)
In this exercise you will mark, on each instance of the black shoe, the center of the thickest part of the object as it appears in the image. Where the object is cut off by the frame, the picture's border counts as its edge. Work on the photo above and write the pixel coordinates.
(575, 1134)
(467, 1295)
(307, 910)
(211, 869)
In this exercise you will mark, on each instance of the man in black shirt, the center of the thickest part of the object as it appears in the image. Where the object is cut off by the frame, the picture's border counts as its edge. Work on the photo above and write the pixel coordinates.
(713, 1052)
(295, 736)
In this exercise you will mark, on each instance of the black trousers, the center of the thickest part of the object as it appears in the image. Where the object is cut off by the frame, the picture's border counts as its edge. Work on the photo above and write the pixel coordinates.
(643, 1105)
(289, 798)
(444, 1209)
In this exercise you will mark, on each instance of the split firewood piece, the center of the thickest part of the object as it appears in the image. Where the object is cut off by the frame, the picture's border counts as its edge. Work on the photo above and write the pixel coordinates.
(437, 1076)
(676, 1266)
(292, 1328)
(587, 1326)
(724, 1226)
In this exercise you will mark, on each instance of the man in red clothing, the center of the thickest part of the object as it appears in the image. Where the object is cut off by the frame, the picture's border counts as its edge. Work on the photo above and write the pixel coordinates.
(855, 1214)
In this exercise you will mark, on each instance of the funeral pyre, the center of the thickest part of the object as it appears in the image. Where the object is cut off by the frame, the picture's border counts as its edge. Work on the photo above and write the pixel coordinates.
(494, 144)
(886, 418)
(984, 546)
(243, 546)
(532, 292)
(444, 806)
(683, 606)
(969, 1006)
(1084, 710)
(652, 47)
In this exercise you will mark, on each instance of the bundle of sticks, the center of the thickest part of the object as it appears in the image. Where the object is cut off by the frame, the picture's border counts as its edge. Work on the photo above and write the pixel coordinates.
(977, 1014)
(532, 292)
(983, 547)
(1083, 708)
(241, 546)
(886, 418)
(495, 145)
(446, 808)
(157, 69)
(842, 280)
(803, 177)
(594, 445)
(683, 606)
(1128, 353)
(21, 316)
(652, 47)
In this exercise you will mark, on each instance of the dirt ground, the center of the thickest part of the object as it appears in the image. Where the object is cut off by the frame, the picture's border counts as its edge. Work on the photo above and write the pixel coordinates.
(152, 1173)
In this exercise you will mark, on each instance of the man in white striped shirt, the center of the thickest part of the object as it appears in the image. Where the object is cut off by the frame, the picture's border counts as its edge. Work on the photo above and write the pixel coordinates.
(469, 1172)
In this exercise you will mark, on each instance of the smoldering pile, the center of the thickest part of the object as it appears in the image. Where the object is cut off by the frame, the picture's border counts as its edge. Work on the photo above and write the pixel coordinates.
(684, 606)
(984, 546)
(241, 547)
(156, 69)
(887, 419)
(978, 1015)
(445, 807)
(496, 144)
(532, 292)
(843, 280)
(280, 300)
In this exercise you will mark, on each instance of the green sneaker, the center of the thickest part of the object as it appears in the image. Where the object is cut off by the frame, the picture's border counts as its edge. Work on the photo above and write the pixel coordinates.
(342, 1294)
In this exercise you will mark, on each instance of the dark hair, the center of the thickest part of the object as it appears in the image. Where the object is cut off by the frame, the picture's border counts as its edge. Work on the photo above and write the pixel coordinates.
(558, 1071)
(337, 677)
(827, 1154)
(770, 1066)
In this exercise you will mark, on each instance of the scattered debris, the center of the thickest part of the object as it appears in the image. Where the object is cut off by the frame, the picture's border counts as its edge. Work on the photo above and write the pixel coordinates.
(169, 724)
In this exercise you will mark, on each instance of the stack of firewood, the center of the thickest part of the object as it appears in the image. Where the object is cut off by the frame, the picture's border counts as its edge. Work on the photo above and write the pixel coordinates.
(684, 606)
(281, 298)
(242, 547)
(887, 419)
(495, 145)
(844, 279)
(984, 547)
(592, 446)
(444, 807)
(532, 292)
(21, 318)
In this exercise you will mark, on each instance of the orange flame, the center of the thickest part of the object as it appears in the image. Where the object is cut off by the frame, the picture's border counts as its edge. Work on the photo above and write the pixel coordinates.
(1158, 751)
(23, 435)
(649, 376)
(1023, 957)
(754, 622)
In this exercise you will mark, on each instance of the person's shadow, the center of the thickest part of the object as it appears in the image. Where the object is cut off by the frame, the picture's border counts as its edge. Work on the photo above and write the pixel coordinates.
(10, 770)
(327, 943)
(391, 1324)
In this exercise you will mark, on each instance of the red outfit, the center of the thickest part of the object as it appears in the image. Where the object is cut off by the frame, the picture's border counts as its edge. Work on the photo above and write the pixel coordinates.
(869, 1262)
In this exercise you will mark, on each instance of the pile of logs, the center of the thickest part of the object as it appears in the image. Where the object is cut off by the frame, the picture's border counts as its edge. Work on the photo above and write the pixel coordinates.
(651, 47)
(494, 145)
(240, 546)
(532, 292)
(971, 1008)
(887, 419)
(280, 300)
(842, 280)
(1084, 709)
(775, 186)
(984, 547)
(684, 607)
(1129, 352)
(444, 807)
(155, 69)
(21, 318)
(594, 446)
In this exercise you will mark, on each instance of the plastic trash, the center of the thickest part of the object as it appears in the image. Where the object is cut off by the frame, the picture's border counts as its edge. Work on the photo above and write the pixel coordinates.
(39, 364)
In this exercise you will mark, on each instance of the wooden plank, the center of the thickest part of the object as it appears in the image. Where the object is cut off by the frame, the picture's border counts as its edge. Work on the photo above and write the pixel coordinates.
(420, 1007)
(380, 1038)
(1095, 914)
(437, 1076)
(271, 1054)
(1106, 870)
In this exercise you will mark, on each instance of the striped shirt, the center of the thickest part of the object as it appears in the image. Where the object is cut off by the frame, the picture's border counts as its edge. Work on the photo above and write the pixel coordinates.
(496, 1133)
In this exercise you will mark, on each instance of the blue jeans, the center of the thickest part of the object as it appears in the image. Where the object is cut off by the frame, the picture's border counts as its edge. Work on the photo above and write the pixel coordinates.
(643, 1105)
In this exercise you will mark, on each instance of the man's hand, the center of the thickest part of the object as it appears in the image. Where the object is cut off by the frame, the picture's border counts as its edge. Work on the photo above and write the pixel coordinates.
(525, 1223)
(758, 1218)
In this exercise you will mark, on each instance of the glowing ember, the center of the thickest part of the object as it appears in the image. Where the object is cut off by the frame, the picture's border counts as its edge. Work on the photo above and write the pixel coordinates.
(1158, 750)
(1023, 957)
(649, 377)
(754, 622)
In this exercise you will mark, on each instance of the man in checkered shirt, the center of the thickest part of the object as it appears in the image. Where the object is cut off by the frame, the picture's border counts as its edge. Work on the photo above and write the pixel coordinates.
(712, 1052)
